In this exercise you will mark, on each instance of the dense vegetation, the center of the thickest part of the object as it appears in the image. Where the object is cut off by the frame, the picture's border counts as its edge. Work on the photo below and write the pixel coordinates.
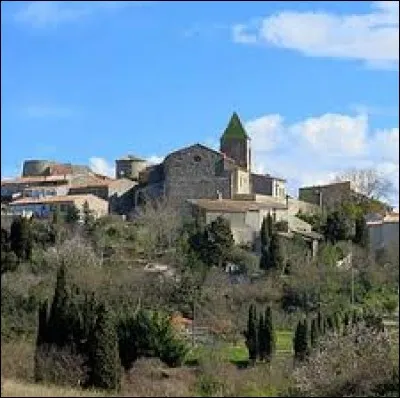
(82, 298)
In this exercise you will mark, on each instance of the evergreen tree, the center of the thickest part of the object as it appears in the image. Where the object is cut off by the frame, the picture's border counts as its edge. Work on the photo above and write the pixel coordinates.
(21, 238)
(269, 334)
(72, 215)
(58, 323)
(321, 324)
(275, 253)
(314, 336)
(337, 227)
(41, 339)
(105, 369)
(251, 333)
(265, 237)
(361, 237)
(346, 322)
(300, 341)
(262, 339)
(217, 242)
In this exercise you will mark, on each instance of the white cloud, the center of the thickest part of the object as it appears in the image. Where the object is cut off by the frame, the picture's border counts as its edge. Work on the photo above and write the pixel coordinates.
(102, 166)
(334, 133)
(43, 14)
(154, 159)
(265, 131)
(371, 37)
(314, 150)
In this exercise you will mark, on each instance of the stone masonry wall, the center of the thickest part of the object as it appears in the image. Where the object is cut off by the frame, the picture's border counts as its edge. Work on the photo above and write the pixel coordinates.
(193, 173)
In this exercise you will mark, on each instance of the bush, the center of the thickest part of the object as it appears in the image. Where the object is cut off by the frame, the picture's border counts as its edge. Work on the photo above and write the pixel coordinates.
(60, 366)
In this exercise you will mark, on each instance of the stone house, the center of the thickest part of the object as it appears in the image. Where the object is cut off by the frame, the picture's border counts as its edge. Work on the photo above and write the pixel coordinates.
(44, 207)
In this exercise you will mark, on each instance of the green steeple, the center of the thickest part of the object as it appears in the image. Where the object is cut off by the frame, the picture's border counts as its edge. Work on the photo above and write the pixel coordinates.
(235, 129)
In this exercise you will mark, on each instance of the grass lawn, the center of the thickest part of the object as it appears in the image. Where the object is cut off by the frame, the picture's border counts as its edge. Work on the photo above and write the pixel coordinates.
(238, 353)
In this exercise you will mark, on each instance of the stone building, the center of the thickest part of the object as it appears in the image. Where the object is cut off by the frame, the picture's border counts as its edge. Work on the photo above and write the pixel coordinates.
(44, 207)
(198, 172)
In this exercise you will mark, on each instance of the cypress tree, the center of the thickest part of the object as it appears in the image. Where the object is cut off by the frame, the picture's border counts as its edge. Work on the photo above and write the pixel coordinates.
(105, 370)
(58, 324)
(270, 334)
(251, 333)
(300, 342)
(321, 324)
(72, 215)
(265, 237)
(314, 333)
(275, 254)
(41, 339)
(262, 339)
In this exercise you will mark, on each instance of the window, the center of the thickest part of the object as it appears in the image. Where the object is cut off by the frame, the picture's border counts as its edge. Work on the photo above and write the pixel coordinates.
(197, 158)
(63, 207)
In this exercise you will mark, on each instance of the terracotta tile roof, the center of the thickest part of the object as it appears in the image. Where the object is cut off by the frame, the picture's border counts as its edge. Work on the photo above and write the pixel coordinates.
(94, 180)
(36, 179)
(54, 199)
(235, 206)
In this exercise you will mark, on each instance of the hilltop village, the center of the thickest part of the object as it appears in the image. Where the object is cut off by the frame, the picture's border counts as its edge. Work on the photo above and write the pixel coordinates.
(197, 179)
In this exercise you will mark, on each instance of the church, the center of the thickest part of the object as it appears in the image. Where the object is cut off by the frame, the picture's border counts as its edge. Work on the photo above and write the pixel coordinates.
(215, 183)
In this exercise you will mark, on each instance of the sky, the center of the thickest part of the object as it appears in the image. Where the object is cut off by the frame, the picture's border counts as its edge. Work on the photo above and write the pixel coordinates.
(315, 83)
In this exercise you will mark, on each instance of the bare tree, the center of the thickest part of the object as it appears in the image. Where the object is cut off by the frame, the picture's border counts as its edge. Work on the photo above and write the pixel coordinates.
(354, 364)
(368, 182)
(158, 222)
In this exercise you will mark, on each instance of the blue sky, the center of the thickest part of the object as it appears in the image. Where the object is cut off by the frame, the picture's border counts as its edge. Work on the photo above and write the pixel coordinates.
(315, 82)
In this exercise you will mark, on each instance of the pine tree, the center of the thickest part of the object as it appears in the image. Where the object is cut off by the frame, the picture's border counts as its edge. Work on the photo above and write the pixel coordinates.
(314, 333)
(269, 334)
(105, 369)
(251, 334)
(262, 339)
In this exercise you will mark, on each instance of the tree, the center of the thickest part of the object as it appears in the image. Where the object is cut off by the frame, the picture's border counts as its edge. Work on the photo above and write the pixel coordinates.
(271, 252)
(56, 216)
(251, 334)
(275, 252)
(337, 227)
(262, 339)
(41, 339)
(314, 333)
(58, 323)
(105, 363)
(218, 241)
(72, 215)
(300, 341)
(320, 324)
(368, 182)
(361, 237)
(9, 260)
(269, 334)
(21, 239)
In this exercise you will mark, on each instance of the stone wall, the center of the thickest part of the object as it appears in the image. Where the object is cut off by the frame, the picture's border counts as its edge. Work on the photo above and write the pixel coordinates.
(326, 195)
(193, 173)
(237, 149)
(261, 184)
